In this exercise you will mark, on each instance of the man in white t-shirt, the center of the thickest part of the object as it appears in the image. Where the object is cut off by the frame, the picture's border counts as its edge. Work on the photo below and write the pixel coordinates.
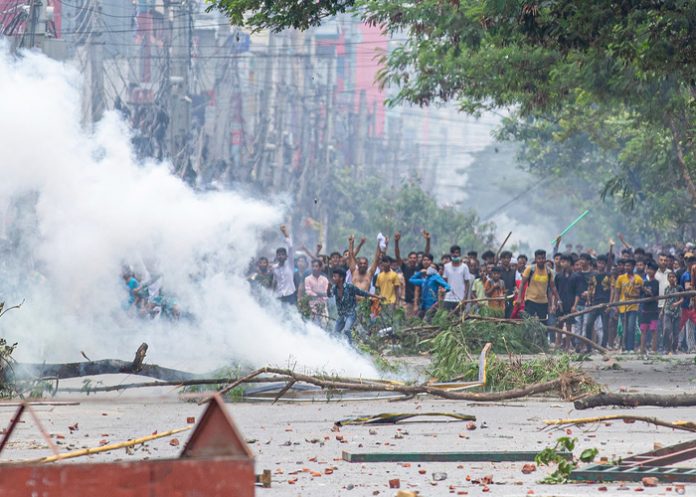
(284, 271)
(458, 277)
(661, 277)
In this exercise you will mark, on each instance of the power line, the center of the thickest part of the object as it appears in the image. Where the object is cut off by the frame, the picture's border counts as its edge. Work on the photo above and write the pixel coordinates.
(529, 188)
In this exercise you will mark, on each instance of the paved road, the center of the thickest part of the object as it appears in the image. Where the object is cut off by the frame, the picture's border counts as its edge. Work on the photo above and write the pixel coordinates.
(291, 437)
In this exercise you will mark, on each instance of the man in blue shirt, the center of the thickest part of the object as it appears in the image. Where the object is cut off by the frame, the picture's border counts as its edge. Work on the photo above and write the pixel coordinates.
(430, 282)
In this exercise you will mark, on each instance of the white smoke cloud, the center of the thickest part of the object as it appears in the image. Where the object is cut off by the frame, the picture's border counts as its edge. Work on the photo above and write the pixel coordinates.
(96, 209)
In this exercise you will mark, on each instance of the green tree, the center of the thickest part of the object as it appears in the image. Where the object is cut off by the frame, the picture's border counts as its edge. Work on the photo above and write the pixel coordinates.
(621, 168)
(277, 15)
(368, 207)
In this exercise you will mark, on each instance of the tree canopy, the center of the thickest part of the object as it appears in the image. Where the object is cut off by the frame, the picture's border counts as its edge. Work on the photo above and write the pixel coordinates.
(368, 208)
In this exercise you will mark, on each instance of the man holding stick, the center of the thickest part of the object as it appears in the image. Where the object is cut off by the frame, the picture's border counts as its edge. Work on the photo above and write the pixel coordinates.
(540, 286)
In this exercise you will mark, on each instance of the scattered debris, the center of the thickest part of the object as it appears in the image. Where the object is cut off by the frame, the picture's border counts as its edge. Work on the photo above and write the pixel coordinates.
(264, 479)
(649, 481)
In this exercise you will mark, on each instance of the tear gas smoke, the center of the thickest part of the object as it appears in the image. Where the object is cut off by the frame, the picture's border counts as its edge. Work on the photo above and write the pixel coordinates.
(75, 207)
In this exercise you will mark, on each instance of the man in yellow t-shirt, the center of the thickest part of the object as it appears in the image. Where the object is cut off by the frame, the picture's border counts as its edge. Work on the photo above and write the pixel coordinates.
(388, 283)
(628, 287)
(536, 296)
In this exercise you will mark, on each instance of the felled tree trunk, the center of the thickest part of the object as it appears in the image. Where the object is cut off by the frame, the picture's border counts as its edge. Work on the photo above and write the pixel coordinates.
(634, 400)
(28, 371)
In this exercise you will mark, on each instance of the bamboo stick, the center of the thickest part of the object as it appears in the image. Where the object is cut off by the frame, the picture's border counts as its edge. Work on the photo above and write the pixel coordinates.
(677, 425)
(105, 448)
(690, 293)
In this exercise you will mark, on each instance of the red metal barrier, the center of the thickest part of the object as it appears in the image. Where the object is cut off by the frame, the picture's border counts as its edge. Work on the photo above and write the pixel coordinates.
(215, 462)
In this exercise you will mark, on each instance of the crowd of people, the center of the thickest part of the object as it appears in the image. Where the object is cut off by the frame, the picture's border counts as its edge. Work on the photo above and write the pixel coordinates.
(146, 298)
(556, 288)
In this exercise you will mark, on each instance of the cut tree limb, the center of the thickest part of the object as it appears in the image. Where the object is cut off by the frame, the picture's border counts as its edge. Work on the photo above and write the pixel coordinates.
(583, 339)
(150, 384)
(566, 385)
(677, 425)
(634, 400)
(28, 371)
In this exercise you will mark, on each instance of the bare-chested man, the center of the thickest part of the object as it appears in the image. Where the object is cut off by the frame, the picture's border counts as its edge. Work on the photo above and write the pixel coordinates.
(361, 274)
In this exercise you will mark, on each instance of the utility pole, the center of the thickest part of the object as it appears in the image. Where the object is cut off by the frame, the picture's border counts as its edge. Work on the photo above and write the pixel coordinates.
(179, 84)
(34, 10)
(281, 118)
(236, 138)
(304, 195)
(267, 91)
(396, 149)
(361, 135)
(327, 163)
(219, 143)
(35, 30)
(91, 56)
(95, 61)
(95, 54)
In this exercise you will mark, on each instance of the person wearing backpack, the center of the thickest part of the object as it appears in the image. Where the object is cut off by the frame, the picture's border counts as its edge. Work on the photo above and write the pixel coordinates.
(540, 286)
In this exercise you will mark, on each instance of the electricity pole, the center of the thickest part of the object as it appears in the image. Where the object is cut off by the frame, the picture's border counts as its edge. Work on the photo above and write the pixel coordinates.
(267, 92)
(179, 81)
(326, 157)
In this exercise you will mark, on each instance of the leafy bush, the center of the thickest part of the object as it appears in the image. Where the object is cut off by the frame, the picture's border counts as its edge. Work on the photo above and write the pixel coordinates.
(456, 348)
(564, 467)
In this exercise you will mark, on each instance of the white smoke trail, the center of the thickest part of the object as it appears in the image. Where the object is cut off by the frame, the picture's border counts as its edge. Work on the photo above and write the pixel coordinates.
(96, 208)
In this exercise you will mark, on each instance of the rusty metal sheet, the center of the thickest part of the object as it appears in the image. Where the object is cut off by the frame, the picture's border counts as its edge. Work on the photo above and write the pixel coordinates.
(159, 478)
(216, 462)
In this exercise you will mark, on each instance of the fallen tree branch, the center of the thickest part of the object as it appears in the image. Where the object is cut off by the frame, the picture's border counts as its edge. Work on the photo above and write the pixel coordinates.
(4, 311)
(25, 371)
(150, 384)
(677, 425)
(28, 371)
(284, 391)
(634, 400)
(565, 385)
(586, 340)
(393, 418)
